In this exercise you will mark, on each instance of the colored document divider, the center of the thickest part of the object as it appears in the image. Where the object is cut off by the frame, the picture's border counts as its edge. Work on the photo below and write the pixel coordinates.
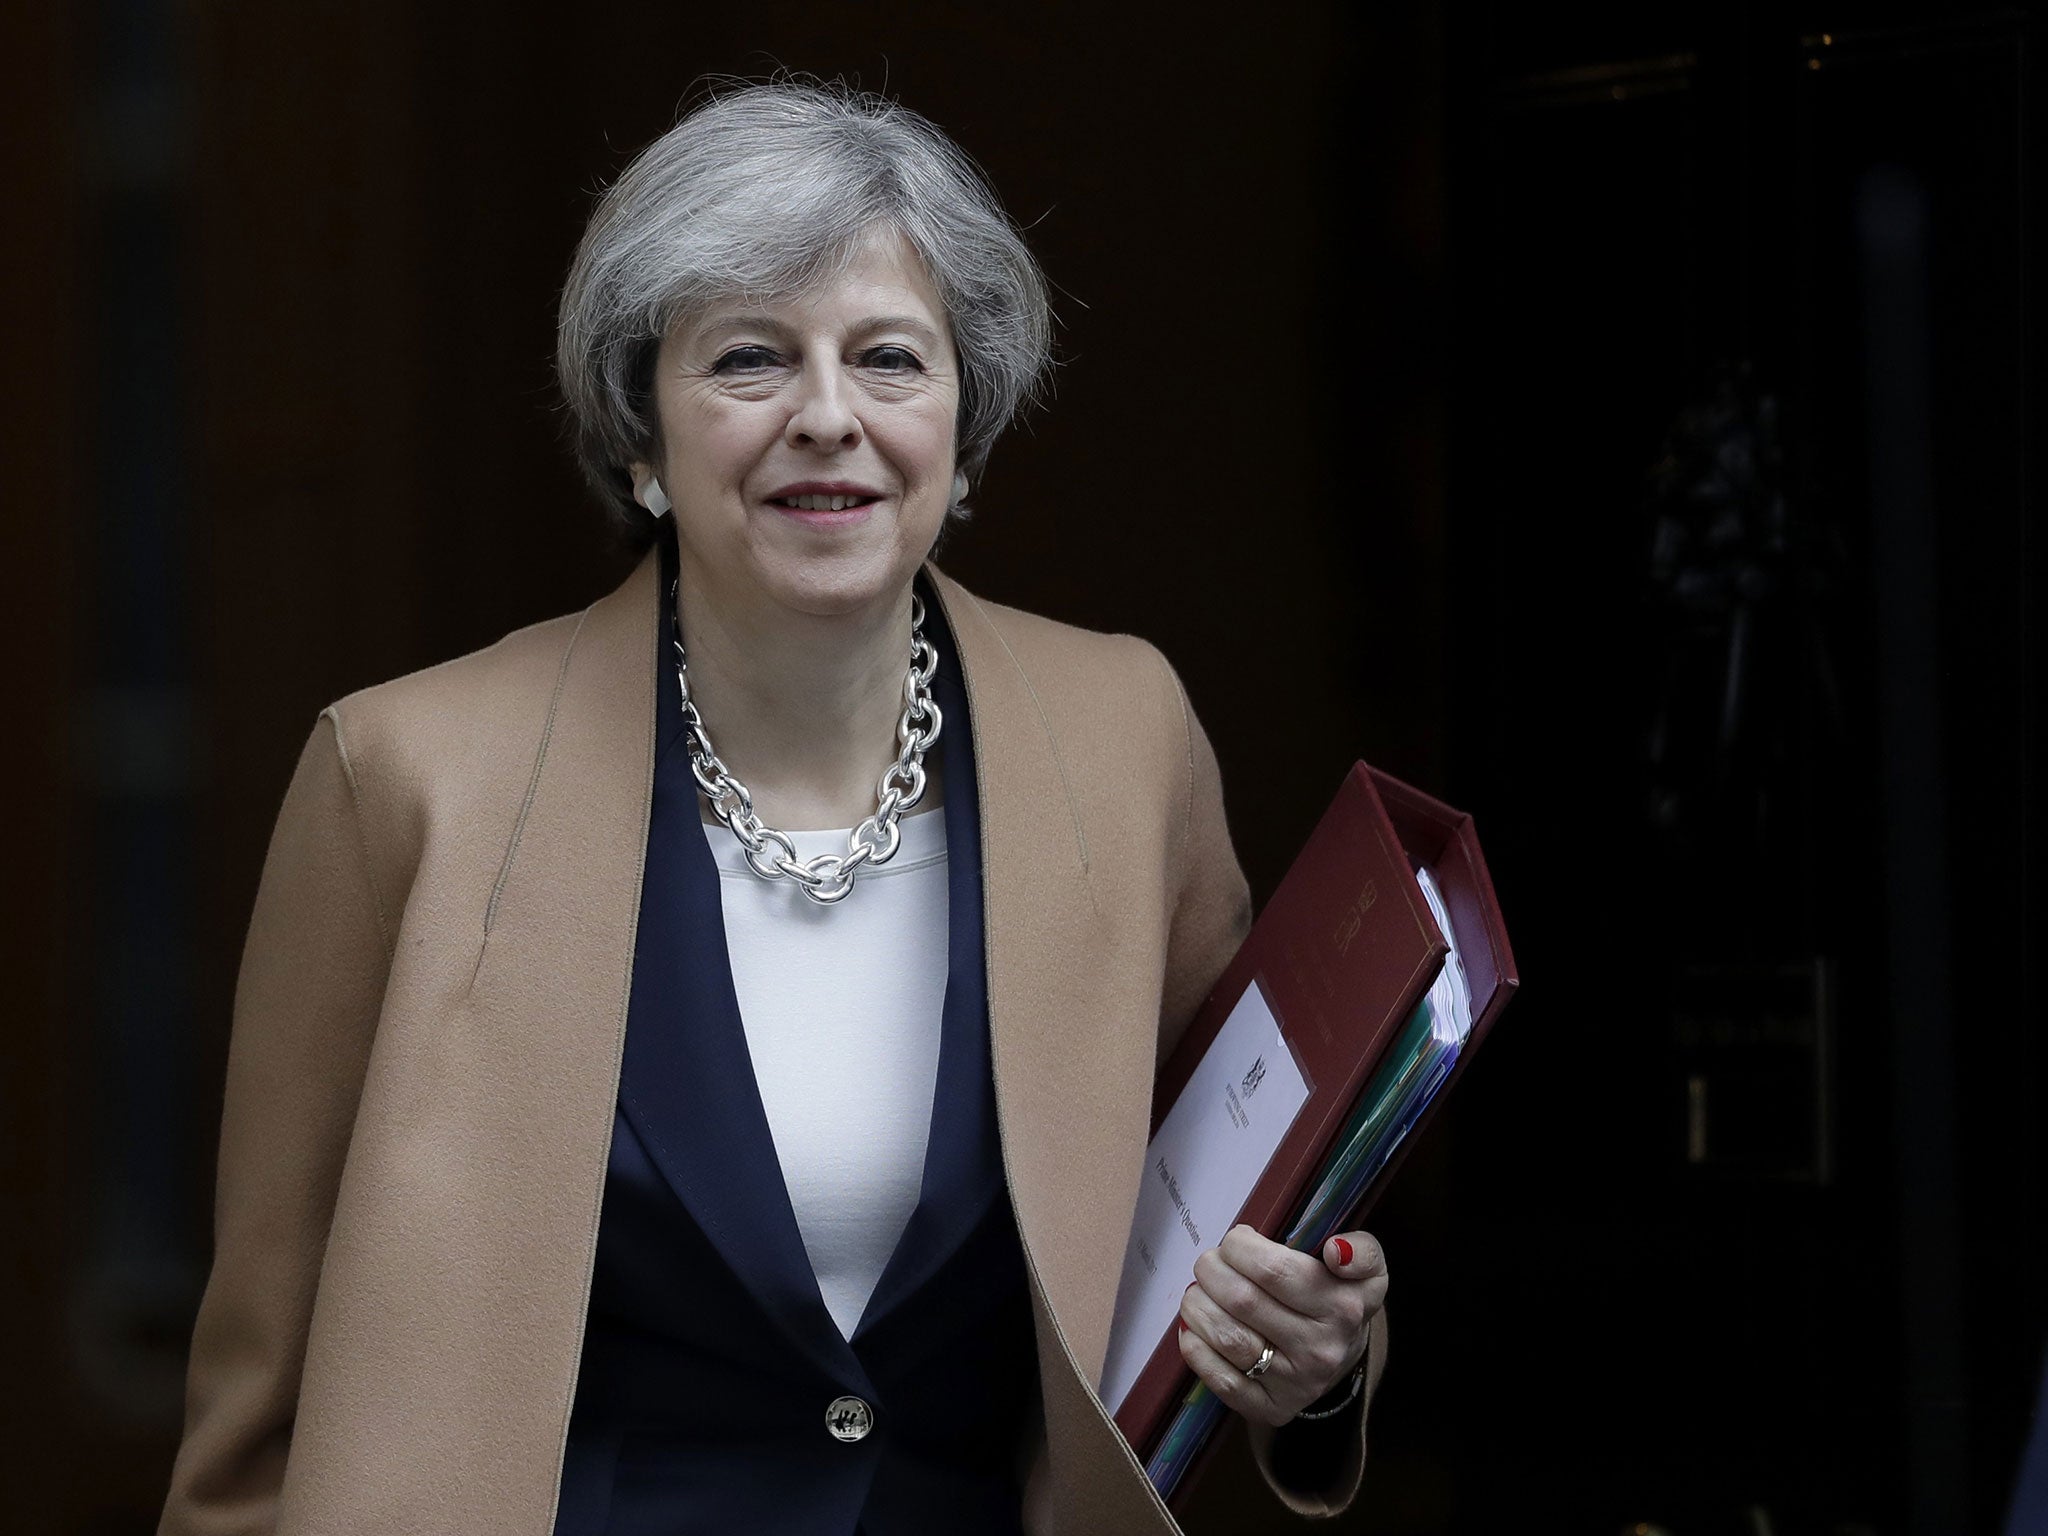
(1384, 960)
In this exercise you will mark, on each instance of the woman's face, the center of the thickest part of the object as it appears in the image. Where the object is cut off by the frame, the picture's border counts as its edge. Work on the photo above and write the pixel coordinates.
(807, 443)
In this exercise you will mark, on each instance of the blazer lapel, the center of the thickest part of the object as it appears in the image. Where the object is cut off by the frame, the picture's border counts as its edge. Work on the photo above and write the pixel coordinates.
(687, 1084)
(963, 1162)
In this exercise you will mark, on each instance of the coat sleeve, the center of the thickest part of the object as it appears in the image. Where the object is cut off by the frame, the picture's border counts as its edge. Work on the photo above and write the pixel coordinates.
(306, 1003)
(1212, 907)
(1314, 1469)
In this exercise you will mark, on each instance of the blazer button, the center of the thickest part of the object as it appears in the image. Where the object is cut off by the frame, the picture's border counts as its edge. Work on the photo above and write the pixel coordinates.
(849, 1419)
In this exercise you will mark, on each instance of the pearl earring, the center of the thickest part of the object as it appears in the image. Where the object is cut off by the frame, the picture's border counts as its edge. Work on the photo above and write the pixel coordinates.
(959, 486)
(651, 496)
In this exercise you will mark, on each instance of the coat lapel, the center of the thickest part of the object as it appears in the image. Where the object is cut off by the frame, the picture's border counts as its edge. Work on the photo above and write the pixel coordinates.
(1073, 1077)
(495, 1138)
(1072, 1106)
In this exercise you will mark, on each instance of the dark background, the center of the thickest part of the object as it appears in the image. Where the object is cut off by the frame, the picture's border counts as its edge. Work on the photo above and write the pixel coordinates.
(1617, 418)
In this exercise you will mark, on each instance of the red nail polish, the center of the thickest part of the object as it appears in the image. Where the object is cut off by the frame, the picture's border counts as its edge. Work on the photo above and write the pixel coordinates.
(1181, 1323)
(1343, 1252)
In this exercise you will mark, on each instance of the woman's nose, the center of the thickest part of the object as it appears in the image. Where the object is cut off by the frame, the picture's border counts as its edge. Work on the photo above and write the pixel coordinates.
(824, 416)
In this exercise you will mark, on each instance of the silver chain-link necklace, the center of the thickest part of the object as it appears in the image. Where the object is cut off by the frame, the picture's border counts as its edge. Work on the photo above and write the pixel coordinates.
(770, 853)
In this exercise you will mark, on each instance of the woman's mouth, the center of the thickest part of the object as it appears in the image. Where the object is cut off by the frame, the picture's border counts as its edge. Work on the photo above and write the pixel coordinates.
(826, 509)
(822, 503)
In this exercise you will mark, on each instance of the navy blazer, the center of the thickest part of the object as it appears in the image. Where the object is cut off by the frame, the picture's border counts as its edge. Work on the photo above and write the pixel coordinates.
(708, 1357)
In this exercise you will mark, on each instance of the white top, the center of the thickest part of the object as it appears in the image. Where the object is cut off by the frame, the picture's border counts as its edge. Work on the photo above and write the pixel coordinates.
(842, 1006)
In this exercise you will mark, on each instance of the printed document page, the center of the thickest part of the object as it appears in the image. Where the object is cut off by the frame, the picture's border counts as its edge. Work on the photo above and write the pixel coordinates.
(1199, 1171)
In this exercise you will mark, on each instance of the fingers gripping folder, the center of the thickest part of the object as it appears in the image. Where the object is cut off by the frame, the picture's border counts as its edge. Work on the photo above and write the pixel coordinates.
(1340, 1026)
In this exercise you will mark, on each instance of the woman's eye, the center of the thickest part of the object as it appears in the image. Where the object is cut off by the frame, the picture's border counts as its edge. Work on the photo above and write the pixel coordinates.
(741, 359)
(891, 359)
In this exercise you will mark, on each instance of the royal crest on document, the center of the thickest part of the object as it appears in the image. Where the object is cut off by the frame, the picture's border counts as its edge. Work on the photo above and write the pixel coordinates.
(1200, 1169)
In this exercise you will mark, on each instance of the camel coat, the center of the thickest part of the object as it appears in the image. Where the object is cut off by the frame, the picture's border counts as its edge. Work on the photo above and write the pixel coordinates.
(427, 1034)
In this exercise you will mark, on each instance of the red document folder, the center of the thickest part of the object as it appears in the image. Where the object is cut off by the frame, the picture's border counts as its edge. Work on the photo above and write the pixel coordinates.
(1345, 950)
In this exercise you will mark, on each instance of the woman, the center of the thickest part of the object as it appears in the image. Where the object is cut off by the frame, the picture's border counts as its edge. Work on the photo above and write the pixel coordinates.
(601, 1154)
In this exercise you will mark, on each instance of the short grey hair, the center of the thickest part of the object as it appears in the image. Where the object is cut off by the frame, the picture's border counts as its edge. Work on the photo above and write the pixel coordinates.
(760, 192)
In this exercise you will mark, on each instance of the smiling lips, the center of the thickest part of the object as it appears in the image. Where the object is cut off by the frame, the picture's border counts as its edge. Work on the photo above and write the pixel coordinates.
(824, 496)
(826, 502)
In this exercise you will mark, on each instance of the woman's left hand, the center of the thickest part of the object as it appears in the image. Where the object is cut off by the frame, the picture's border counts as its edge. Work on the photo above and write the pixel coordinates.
(1251, 1292)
